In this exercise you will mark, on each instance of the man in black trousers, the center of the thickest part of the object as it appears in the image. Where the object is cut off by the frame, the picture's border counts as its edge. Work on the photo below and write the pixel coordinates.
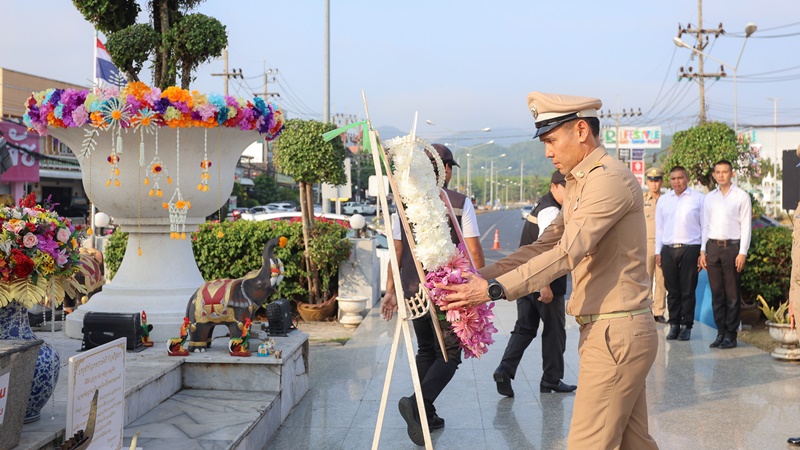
(546, 305)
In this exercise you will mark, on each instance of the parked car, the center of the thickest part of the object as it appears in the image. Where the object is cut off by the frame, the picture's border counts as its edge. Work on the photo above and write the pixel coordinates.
(261, 209)
(764, 221)
(282, 206)
(525, 210)
(351, 208)
(286, 215)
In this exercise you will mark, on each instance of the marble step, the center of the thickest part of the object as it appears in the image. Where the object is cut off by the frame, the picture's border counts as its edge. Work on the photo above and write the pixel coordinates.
(208, 419)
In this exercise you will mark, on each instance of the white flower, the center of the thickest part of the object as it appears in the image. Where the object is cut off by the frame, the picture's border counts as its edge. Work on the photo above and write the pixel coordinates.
(425, 210)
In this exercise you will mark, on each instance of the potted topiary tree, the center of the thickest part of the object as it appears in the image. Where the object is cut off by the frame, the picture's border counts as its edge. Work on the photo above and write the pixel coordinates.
(303, 154)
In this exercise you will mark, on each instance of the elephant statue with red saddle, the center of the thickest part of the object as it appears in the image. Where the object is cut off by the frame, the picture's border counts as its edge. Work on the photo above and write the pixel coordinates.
(231, 302)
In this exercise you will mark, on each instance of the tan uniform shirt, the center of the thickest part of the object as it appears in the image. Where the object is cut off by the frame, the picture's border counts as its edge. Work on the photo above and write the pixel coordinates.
(600, 235)
(650, 220)
(794, 279)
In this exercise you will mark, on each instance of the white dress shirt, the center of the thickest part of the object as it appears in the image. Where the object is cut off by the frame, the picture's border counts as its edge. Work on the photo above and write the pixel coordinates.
(679, 219)
(546, 217)
(727, 217)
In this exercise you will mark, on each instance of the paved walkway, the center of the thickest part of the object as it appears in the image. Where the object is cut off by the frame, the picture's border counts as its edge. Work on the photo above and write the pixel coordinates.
(698, 398)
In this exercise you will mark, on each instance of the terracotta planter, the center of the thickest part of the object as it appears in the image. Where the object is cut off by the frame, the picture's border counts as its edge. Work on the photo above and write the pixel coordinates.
(317, 313)
(787, 337)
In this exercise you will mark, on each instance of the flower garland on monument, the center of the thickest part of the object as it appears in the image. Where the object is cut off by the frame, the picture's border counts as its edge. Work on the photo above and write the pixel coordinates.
(443, 261)
(141, 109)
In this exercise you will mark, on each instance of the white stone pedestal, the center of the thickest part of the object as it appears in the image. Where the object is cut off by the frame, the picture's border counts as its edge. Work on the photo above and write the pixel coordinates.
(360, 276)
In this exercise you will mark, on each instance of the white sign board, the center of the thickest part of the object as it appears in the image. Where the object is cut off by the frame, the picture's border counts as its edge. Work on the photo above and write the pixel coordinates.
(4, 379)
(343, 192)
(101, 368)
(373, 185)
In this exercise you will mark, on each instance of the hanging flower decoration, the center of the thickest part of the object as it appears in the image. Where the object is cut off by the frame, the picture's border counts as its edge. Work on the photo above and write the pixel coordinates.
(138, 103)
(178, 209)
(39, 254)
(113, 159)
(444, 262)
(205, 164)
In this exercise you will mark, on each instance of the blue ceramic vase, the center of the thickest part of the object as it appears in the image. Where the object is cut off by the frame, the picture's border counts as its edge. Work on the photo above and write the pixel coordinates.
(14, 325)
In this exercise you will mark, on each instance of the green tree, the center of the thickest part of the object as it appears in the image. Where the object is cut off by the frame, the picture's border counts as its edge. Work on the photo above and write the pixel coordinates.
(699, 148)
(301, 153)
(176, 40)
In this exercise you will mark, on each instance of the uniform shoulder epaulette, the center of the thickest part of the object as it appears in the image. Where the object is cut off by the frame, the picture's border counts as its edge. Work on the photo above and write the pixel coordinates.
(596, 165)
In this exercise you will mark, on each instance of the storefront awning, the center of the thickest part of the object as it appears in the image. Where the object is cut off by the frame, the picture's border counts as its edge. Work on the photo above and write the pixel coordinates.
(60, 174)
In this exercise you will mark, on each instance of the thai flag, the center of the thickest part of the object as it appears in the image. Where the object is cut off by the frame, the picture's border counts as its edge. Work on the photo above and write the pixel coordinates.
(105, 70)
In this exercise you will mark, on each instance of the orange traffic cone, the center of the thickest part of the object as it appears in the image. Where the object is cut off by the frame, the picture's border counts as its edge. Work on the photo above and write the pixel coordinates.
(496, 245)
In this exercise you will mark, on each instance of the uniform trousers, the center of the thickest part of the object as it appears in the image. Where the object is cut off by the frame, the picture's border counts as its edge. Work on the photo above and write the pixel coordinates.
(434, 373)
(554, 336)
(680, 278)
(656, 275)
(610, 410)
(725, 283)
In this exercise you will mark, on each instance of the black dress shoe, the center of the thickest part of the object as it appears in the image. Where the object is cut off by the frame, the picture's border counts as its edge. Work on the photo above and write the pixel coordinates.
(546, 387)
(503, 381)
(408, 409)
(794, 441)
(435, 422)
(727, 343)
(685, 334)
(660, 319)
(717, 341)
(673, 332)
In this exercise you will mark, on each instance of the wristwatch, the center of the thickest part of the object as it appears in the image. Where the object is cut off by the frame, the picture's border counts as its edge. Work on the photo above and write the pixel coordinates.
(495, 290)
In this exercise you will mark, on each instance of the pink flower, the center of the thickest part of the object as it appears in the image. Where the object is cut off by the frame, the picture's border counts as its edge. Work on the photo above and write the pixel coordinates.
(62, 235)
(62, 258)
(30, 240)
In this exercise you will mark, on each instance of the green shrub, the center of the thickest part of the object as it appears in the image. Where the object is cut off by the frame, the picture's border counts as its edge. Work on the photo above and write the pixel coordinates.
(768, 266)
(231, 249)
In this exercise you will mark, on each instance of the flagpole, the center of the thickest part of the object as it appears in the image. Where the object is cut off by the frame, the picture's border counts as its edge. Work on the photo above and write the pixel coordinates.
(93, 209)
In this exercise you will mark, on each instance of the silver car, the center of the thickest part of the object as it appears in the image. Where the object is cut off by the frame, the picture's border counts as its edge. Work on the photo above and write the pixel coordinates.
(525, 210)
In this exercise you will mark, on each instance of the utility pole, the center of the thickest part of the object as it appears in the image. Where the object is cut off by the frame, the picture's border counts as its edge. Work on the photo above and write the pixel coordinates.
(266, 95)
(700, 35)
(775, 161)
(228, 75)
(616, 117)
(326, 82)
(521, 184)
(340, 120)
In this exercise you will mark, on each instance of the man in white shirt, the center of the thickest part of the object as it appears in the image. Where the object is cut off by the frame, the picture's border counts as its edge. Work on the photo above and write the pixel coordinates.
(678, 237)
(727, 223)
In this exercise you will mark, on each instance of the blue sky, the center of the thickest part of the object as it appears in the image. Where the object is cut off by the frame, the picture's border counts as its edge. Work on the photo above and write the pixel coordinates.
(466, 64)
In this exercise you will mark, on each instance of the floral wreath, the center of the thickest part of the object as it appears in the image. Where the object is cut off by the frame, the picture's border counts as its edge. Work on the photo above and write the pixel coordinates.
(443, 261)
(39, 254)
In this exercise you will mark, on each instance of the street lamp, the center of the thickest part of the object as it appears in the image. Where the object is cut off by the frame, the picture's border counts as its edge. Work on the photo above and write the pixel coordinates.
(472, 147)
(749, 29)
(491, 178)
(455, 142)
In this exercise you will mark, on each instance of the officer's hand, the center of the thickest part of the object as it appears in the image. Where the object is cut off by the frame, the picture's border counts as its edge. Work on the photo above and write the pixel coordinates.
(389, 305)
(702, 262)
(546, 295)
(740, 259)
(658, 260)
(471, 293)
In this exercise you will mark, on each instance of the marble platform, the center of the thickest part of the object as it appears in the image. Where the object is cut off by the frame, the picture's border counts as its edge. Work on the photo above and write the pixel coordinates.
(204, 400)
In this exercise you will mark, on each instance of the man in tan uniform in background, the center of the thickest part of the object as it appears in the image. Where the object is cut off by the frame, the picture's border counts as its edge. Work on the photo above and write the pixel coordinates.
(600, 236)
(655, 179)
(794, 287)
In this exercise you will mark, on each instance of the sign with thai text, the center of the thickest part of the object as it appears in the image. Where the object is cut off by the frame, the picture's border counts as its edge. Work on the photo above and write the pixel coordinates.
(101, 370)
(24, 166)
(632, 137)
(4, 380)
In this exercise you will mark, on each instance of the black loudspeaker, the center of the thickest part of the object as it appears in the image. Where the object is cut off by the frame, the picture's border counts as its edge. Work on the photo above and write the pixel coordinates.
(279, 316)
(791, 180)
(101, 328)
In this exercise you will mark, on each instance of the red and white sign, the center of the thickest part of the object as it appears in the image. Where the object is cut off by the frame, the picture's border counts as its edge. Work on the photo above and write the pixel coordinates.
(24, 166)
(637, 167)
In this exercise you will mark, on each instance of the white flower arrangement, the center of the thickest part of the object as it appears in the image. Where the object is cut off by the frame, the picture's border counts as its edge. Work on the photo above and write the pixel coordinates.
(419, 191)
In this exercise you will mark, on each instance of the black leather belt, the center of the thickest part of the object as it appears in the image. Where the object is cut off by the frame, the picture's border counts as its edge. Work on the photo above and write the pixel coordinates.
(681, 245)
(725, 242)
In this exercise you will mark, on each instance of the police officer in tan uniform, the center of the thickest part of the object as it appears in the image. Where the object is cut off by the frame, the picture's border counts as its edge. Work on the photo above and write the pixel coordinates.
(600, 236)
(794, 279)
(655, 179)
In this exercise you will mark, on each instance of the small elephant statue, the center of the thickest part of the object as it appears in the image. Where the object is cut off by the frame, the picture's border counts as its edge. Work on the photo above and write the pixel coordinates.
(232, 302)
